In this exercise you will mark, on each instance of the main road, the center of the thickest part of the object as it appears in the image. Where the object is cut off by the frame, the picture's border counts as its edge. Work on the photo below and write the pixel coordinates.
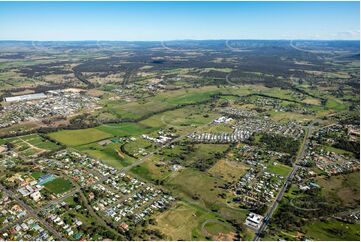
(33, 213)
(288, 181)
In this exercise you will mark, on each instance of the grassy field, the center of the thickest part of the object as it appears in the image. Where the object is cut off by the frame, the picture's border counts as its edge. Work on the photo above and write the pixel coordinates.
(279, 169)
(184, 222)
(37, 174)
(333, 230)
(198, 153)
(58, 185)
(149, 169)
(191, 184)
(20, 127)
(170, 99)
(335, 104)
(108, 153)
(228, 170)
(124, 129)
(289, 116)
(219, 230)
(336, 150)
(79, 136)
(30, 145)
(197, 185)
(312, 101)
(182, 117)
(219, 128)
(133, 147)
(342, 188)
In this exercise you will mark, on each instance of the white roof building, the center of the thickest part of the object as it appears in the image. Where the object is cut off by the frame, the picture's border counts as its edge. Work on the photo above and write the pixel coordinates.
(254, 220)
(25, 97)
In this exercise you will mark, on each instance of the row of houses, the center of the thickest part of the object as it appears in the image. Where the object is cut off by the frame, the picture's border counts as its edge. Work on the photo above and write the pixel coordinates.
(219, 138)
(10, 211)
(27, 230)
(257, 188)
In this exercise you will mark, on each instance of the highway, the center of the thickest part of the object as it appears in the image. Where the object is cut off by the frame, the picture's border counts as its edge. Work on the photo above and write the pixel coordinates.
(288, 181)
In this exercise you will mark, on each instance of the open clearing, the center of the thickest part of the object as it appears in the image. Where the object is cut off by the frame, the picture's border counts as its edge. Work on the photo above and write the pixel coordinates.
(181, 117)
(79, 136)
(342, 188)
(150, 171)
(58, 185)
(228, 170)
(124, 129)
(218, 230)
(333, 230)
(31, 145)
(279, 169)
(197, 185)
(184, 222)
(109, 153)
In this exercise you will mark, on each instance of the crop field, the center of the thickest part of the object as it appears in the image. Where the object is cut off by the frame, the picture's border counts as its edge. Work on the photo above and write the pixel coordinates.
(79, 136)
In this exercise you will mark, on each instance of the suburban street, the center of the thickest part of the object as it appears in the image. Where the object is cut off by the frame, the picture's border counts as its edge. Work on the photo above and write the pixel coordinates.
(30, 211)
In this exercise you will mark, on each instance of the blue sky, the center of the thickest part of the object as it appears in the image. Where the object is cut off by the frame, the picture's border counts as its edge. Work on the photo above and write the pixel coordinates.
(178, 20)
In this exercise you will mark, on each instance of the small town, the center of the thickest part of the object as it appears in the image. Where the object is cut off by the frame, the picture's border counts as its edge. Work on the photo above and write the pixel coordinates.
(179, 120)
(40, 106)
